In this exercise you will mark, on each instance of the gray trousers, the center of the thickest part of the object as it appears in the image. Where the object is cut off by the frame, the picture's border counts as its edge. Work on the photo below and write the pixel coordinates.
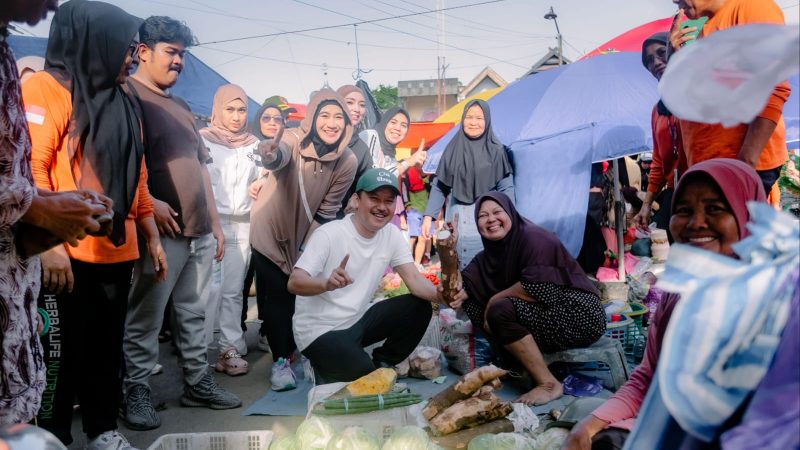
(189, 271)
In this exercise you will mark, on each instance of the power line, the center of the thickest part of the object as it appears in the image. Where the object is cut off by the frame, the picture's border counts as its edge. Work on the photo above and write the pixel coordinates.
(485, 27)
(360, 21)
(422, 37)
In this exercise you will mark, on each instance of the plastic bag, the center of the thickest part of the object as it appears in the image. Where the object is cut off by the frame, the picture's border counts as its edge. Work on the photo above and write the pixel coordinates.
(285, 443)
(425, 362)
(408, 438)
(353, 438)
(551, 439)
(581, 385)
(502, 441)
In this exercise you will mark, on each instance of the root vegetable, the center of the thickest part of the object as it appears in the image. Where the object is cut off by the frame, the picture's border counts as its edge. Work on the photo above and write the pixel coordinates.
(463, 388)
(451, 276)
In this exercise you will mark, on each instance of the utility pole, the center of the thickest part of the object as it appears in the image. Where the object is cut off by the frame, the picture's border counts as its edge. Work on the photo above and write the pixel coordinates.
(551, 15)
(441, 97)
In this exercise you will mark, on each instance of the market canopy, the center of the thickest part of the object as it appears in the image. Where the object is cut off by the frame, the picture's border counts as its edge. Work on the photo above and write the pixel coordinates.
(197, 84)
(631, 40)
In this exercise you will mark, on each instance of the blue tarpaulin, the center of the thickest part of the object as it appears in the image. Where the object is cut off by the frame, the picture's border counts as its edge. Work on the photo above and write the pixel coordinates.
(196, 85)
(556, 123)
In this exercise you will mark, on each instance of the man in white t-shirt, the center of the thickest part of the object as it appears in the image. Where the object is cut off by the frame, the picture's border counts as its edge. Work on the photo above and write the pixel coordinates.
(336, 277)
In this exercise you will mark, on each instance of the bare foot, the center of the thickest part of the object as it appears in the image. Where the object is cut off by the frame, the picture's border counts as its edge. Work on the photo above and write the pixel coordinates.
(541, 394)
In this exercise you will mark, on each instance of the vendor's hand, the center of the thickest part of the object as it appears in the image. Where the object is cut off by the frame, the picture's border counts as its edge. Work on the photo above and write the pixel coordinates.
(580, 438)
(57, 270)
(642, 218)
(678, 36)
(164, 216)
(339, 277)
(459, 299)
(452, 227)
(159, 259)
(426, 227)
(255, 187)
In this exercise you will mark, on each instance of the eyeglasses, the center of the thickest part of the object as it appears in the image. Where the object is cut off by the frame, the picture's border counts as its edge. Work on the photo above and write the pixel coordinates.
(276, 119)
(133, 49)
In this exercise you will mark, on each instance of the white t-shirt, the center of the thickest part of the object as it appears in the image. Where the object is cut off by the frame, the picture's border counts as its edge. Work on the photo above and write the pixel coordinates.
(341, 308)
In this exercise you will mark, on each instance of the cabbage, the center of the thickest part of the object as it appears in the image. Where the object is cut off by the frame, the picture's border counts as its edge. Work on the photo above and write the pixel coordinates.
(314, 433)
(408, 438)
(285, 443)
(353, 438)
(552, 439)
(502, 441)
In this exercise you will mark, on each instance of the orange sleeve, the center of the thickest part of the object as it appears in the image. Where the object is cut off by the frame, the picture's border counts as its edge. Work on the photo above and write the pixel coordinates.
(656, 177)
(774, 109)
(144, 208)
(47, 121)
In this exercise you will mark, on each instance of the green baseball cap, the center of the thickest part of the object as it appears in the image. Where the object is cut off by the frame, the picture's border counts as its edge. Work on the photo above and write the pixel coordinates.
(377, 178)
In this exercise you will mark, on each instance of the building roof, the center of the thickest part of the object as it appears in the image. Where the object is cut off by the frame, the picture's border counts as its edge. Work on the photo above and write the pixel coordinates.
(487, 72)
(421, 88)
(548, 61)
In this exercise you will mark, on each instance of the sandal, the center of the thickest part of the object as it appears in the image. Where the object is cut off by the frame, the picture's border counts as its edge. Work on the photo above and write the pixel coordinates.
(231, 363)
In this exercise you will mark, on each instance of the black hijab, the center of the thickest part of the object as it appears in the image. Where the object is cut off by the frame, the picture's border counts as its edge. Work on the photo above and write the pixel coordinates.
(255, 126)
(527, 253)
(389, 149)
(320, 146)
(86, 49)
(472, 167)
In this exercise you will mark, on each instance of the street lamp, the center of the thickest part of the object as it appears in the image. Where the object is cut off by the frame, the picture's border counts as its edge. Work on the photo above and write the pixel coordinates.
(551, 15)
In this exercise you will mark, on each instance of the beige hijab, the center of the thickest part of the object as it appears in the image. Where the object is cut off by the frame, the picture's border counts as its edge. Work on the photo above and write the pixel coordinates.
(218, 134)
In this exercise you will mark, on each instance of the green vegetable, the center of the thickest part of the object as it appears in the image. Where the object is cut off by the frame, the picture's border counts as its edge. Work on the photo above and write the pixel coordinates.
(314, 433)
(285, 443)
(552, 439)
(353, 438)
(366, 403)
(502, 441)
(408, 438)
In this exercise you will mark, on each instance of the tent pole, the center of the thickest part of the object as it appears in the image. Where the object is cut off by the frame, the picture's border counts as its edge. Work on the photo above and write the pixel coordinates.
(619, 222)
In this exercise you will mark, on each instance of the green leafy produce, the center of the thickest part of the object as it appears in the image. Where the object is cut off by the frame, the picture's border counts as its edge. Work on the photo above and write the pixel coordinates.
(285, 443)
(314, 433)
(502, 441)
(353, 438)
(408, 438)
(551, 439)
(366, 403)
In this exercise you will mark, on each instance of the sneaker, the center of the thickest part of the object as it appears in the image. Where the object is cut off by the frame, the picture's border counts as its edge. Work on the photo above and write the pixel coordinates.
(308, 369)
(231, 363)
(426, 259)
(282, 378)
(209, 394)
(263, 344)
(157, 369)
(110, 440)
(138, 412)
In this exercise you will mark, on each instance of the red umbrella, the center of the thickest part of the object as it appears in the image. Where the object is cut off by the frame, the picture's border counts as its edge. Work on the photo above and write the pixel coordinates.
(631, 40)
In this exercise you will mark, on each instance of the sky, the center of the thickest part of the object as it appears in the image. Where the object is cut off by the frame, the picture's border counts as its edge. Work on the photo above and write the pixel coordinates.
(507, 35)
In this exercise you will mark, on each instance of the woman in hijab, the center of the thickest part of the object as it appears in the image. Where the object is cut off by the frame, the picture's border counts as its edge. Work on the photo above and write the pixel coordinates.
(356, 106)
(390, 131)
(232, 171)
(269, 120)
(527, 294)
(709, 211)
(311, 168)
(474, 162)
(87, 134)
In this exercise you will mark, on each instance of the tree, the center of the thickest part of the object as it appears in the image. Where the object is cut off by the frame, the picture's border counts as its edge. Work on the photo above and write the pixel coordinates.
(386, 97)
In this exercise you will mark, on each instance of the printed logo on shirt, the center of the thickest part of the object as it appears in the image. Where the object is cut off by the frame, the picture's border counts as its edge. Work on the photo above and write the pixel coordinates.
(34, 114)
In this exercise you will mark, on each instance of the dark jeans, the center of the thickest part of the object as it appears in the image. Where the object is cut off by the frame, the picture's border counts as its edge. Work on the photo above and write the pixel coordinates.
(768, 178)
(83, 349)
(339, 355)
(273, 293)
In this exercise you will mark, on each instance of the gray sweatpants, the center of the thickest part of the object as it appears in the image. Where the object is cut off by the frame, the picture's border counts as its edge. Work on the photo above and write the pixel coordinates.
(189, 271)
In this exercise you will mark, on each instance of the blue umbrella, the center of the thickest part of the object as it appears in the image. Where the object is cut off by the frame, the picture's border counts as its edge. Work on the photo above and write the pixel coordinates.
(558, 122)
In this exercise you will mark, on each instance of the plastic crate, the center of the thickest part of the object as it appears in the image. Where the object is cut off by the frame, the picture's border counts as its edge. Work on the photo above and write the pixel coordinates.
(618, 330)
(224, 440)
(635, 335)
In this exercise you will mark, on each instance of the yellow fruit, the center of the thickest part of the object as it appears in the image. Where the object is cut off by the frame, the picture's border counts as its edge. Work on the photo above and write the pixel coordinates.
(379, 381)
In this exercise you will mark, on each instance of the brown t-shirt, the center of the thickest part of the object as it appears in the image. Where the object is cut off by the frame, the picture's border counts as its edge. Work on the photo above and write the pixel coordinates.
(175, 158)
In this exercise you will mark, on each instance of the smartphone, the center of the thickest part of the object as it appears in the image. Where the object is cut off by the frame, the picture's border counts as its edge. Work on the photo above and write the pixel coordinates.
(697, 23)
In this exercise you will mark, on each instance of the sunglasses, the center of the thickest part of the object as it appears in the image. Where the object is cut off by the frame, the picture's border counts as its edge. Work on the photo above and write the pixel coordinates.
(276, 119)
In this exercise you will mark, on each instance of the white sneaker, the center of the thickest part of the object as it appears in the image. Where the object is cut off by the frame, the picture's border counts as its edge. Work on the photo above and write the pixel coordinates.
(157, 369)
(308, 369)
(282, 378)
(263, 344)
(110, 440)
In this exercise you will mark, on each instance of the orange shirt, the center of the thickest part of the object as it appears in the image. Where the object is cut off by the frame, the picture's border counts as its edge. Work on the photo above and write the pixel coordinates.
(705, 141)
(48, 107)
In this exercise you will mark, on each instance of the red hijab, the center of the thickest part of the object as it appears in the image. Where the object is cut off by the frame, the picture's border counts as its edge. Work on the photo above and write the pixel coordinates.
(738, 182)
(527, 253)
